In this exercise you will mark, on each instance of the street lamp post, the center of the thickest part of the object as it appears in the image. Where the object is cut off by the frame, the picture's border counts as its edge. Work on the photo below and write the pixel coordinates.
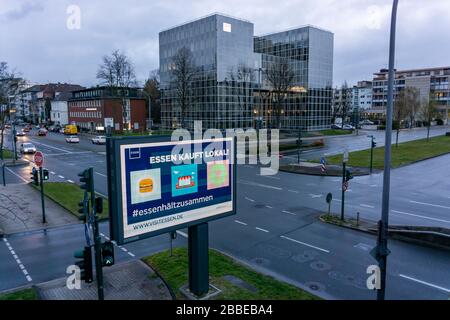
(382, 250)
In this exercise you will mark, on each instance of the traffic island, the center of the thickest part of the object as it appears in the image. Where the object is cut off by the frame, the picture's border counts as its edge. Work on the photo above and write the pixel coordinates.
(315, 169)
(20, 294)
(435, 237)
(231, 279)
(68, 195)
(133, 280)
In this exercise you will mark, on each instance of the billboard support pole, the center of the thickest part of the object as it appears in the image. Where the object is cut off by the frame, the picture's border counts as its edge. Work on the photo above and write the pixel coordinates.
(198, 259)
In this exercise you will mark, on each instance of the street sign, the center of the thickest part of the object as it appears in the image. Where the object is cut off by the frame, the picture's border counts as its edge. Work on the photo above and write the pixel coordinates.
(39, 158)
(345, 156)
(109, 122)
(345, 186)
(329, 197)
(323, 163)
(166, 185)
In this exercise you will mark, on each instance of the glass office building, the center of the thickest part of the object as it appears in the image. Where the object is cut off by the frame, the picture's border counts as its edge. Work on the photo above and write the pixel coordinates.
(229, 88)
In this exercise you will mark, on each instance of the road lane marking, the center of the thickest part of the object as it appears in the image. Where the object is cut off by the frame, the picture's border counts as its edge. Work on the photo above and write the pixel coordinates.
(305, 244)
(19, 263)
(131, 254)
(288, 212)
(240, 222)
(263, 230)
(52, 147)
(101, 174)
(52, 172)
(270, 177)
(429, 204)
(269, 207)
(419, 216)
(61, 177)
(314, 196)
(70, 181)
(425, 283)
(294, 191)
(250, 183)
(20, 177)
(367, 206)
(181, 233)
(251, 200)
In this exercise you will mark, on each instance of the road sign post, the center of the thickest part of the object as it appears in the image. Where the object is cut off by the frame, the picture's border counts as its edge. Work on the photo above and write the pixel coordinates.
(329, 199)
(373, 144)
(39, 161)
(41, 178)
(344, 189)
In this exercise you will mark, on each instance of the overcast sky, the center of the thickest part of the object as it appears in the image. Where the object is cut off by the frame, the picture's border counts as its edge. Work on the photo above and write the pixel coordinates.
(35, 39)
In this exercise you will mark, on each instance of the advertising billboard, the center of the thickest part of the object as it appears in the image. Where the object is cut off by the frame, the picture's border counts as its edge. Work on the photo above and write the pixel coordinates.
(160, 186)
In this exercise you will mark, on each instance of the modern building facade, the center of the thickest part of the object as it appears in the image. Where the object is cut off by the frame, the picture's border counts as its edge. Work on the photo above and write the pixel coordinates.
(230, 89)
(362, 96)
(95, 108)
(429, 82)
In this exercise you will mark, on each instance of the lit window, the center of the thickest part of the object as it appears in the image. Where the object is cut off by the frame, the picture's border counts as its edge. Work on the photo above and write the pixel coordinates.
(226, 27)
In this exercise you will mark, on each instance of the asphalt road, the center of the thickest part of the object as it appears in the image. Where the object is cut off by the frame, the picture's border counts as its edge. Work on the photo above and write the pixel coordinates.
(275, 230)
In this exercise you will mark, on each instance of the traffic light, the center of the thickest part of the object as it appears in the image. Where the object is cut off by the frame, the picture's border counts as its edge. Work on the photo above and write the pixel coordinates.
(85, 264)
(107, 254)
(83, 210)
(86, 180)
(35, 176)
(348, 176)
(45, 176)
(98, 205)
(374, 144)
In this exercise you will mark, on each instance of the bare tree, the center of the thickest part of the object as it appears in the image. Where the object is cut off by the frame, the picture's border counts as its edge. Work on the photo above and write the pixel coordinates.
(400, 111)
(280, 77)
(152, 88)
(10, 85)
(182, 73)
(243, 79)
(428, 112)
(345, 104)
(413, 105)
(117, 72)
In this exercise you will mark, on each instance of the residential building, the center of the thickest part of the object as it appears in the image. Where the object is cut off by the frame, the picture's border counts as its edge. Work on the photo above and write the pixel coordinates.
(362, 96)
(95, 108)
(230, 89)
(59, 113)
(429, 82)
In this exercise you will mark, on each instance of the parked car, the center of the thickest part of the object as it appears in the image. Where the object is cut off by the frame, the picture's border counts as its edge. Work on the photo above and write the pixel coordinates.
(27, 148)
(72, 139)
(367, 122)
(42, 132)
(336, 126)
(348, 127)
(61, 130)
(99, 140)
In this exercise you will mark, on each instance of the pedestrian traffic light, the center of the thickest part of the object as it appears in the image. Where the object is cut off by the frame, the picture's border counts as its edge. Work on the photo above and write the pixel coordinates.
(83, 210)
(348, 176)
(107, 254)
(86, 180)
(35, 176)
(45, 176)
(98, 205)
(85, 264)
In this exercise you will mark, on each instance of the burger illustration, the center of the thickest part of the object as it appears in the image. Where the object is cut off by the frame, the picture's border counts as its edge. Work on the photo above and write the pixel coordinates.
(145, 185)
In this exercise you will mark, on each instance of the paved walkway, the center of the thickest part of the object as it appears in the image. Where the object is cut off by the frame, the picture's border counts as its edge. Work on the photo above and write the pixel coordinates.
(20, 210)
(132, 280)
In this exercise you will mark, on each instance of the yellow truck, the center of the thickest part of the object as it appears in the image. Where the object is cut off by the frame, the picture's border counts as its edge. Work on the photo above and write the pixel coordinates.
(70, 129)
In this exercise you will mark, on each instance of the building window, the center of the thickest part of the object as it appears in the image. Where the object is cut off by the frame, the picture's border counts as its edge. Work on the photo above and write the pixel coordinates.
(226, 27)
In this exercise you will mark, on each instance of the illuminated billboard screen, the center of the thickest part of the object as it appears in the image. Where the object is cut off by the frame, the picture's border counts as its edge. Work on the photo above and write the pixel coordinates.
(161, 186)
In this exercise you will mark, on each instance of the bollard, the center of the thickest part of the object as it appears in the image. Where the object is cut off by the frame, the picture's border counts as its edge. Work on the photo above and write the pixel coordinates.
(357, 219)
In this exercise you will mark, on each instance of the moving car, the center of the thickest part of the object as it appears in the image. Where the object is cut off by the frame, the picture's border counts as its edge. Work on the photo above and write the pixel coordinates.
(42, 132)
(27, 148)
(26, 129)
(70, 129)
(367, 123)
(99, 140)
(72, 139)
(21, 133)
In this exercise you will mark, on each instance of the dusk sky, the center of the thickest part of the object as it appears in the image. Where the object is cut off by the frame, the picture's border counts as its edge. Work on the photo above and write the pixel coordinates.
(36, 41)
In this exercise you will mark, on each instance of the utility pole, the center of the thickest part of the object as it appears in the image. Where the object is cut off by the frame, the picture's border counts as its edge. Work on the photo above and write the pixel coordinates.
(41, 178)
(344, 171)
(381, 251)
(299, 143)
(373, 144)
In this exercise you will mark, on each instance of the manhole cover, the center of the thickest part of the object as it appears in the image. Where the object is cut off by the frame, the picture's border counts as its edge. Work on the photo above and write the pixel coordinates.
(304, 257)
(315, 286)
(261, 261)
(320, 266)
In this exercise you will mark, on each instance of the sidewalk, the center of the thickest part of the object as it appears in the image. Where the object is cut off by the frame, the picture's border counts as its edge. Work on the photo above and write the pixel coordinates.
(20, 210)
(132, 280)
